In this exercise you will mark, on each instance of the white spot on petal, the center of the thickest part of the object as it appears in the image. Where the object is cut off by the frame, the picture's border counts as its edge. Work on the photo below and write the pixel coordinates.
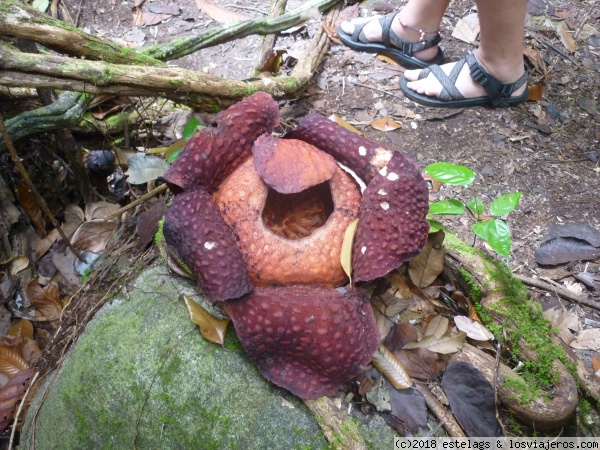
(382, 192)
(362, 151)
(210, 245)
(381, 157)
(385, 206)
(393, 176)
(363, 250)
(383, 172)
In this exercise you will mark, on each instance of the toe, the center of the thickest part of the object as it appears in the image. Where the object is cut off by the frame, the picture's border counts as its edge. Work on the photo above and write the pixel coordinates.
(412, 75)
(347, 27)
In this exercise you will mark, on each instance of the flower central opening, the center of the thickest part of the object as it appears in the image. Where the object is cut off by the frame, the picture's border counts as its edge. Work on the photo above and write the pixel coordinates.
(296, 216)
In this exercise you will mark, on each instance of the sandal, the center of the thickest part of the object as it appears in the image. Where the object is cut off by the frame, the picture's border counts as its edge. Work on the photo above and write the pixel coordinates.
(391, 45)
(498, 94)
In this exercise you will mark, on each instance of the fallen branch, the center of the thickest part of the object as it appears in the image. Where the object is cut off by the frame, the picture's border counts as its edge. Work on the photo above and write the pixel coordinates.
(558, 290)
(442, 414)
(503, 297)
(138, 201)
(266, 49)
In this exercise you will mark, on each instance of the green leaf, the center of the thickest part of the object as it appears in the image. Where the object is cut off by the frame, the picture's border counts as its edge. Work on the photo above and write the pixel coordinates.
(447, 207)
(476, 206)
(41, 5)
(505, 204)
(174, 155)
(434, 225)
(451, 173)
(496, 233)
(190, 128)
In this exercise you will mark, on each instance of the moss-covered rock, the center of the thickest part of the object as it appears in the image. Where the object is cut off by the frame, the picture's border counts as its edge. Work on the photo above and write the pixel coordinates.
(141, 376)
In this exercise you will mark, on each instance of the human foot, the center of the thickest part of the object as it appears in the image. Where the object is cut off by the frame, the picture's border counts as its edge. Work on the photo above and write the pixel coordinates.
(464, 84)
(388, 36)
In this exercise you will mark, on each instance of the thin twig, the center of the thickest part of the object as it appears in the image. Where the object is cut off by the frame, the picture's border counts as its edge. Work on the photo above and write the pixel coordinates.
(40, 201)
(558, 290)
(450, 425)
(374, 89)
(157, 190)
(14, 427)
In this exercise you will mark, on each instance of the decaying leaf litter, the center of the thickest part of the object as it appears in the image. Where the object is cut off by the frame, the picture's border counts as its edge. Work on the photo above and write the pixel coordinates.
(547, 149)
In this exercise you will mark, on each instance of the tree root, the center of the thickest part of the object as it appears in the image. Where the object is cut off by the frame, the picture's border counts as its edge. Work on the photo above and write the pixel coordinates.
(339, 430)
(499, 295)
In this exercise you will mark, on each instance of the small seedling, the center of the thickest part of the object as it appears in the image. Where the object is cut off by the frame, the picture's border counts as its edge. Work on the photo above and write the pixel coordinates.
(491, 228)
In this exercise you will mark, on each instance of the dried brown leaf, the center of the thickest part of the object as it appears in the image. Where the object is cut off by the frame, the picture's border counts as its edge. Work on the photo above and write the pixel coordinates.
(391, 368)
(99, 210)
(427, 265)
(45, 300)
(565, 36)
(211, 328)
(449, 343)
(143, 18)
(22, 328)
(387, 60)
(11, 362)
(73, 217)
(596, 366)
(475, 330)
(385, 124)
(421, 363)
(399, 287)
(437, 327)
(93, 236)
(587, 340)
(19, 263)
(11, 394)
(218, 13)
(31, 207)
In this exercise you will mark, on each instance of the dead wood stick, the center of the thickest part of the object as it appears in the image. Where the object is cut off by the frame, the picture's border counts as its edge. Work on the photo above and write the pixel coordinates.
(558, 290)
(336, 425)
(266, 49)
(157, 190)
(448, 422)
(38, 198)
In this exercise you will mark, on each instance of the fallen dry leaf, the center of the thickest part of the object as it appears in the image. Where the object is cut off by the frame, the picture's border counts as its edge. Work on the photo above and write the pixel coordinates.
(566, 322)
(596, 366)
(73, 217)
(467, 28)
(11, 362)
(379, 396)
(45, 300)
(385, 124)
(211, 328)
(437, 327)
(346, 252)
(475, 330)
(99, 210)
(19, 263)
(390, 367)
(31, 207)
(22, 328)
(93, 236)
(449, 343)
(587, 340)
(221, 15)
(12, 393)
(427, 265)
(144, 18)
(341, 122)
(421, 363)
(565, 36)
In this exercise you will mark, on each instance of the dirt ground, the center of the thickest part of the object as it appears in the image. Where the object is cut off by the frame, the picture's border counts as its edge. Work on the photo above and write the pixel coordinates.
(547, 149)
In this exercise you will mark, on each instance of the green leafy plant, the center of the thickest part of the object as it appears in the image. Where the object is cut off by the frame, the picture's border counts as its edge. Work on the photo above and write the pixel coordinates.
(491, 228)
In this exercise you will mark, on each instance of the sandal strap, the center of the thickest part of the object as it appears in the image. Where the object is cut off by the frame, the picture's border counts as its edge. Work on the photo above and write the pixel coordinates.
(496, 91)
(408, 48)
(448, 82)
(391, 39)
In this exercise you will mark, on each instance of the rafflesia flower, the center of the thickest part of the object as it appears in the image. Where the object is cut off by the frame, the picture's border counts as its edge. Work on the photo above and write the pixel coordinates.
(260, 221)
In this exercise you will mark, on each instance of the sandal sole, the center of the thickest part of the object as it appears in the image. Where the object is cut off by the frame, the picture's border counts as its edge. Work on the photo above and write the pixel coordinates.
(463, 103)
(409, 62)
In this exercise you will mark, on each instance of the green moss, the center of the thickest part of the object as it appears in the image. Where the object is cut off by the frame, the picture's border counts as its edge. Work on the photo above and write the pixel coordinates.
(174, 83)
(520, 319)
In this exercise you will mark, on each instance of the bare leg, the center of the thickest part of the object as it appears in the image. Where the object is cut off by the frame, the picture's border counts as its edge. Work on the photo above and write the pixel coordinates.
(500, 53)
(422, 14)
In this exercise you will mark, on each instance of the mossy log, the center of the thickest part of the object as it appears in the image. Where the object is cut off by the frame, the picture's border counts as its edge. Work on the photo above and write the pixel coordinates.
(504, 300)
(22, 21)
